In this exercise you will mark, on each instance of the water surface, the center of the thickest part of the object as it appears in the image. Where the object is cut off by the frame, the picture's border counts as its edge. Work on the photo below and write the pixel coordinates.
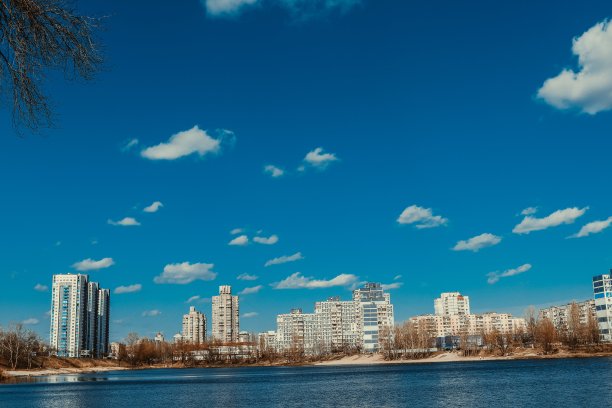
(535, 383)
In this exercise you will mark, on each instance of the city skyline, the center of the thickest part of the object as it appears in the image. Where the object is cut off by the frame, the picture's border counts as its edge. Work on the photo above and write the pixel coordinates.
(293, 155)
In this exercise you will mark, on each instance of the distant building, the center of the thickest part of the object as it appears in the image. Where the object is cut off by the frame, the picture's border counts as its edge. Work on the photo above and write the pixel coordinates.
(159, 338)
(336, 324)
(452, 318)
(80, 315)
(602, 292)
(374, 312)
(560, 316)
(245, 337)
(225, 316)
(177, 338)
(267, 341)
(452, 304)
(194, 326)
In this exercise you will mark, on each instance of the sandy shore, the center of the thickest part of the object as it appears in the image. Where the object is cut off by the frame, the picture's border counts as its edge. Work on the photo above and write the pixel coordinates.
(438, 358)
(59, 371)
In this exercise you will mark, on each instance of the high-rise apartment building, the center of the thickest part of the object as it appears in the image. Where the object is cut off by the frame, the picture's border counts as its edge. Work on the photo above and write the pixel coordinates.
(451, 304)
(225, 316)
(338, 323)
(561, 316)
(374, 312)
(80, 313)
(602, 292)
(194, 326)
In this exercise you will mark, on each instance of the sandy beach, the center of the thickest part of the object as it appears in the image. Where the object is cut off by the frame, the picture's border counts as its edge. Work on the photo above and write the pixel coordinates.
(59, 371)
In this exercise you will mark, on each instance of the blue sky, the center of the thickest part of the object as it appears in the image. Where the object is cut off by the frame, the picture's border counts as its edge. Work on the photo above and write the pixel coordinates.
(400, 129)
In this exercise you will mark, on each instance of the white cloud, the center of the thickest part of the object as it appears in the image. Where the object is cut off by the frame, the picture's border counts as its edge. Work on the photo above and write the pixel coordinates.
(247, 277)
(594, 227)
(41, 288)
(151, 313)
(236, 231)
(128, 289)
(271, 240)
(252, 290)
(226, 7)
(184, 273)
(197, 299)
(319, 159)
(529, 211)
(477, 243)
(284, 259)
(397, 277)
(93, 265)
(297, 8)
(241, 240)
(566, 216)
(298, 281)
(421, 217)
(248, 315)
(390, 286)
(274, 171)
(129, 144)
(153, 207)
(30, 322)
(126, 222)
(494, 277)
(194, 140)
(590, 88)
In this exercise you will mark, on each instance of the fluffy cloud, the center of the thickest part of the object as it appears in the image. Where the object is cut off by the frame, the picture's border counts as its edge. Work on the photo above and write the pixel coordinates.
(128, 289)
(184, 273)
(590, 88)
(41, 288)
(274, 171)
(271, 240)
(126, 222)
(153, 207)
(421, 217)
(594, 227)
(236, 231)
(252, 290)
(297, 8)
(284, 259)
(241, 240)
(151, 313)
(30, 322)
(494, 277)
(247, 277)
(478, 242)
(298, 281)
(566, 216)
(92, 265)
(194, 140)
(248, 315)
(319, 159)
(529, 211)
(390, 286)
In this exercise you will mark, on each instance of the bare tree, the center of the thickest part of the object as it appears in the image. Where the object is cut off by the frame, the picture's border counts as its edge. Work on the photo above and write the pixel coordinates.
(546, 334)
(35, 36)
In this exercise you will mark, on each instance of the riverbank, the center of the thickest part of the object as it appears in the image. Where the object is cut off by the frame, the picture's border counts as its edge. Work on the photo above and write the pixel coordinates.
(454, 357)
(362, 359)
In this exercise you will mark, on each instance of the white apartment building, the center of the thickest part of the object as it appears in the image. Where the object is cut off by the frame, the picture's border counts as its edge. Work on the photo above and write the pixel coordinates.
(374, 312)
(602, 292)
(560, 316)
(80, 315)
(267, 341)
(338, 324)
(299, 332)
(225, 316)
(194, 326)
(451, 304)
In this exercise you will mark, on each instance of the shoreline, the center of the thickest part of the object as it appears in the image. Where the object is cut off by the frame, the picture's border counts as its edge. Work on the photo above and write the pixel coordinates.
(363, 360)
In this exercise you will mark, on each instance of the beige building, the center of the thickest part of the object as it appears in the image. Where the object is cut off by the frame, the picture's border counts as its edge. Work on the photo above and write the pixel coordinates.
(225, 316)
(451, 304)
(560, 315)
(194, 326)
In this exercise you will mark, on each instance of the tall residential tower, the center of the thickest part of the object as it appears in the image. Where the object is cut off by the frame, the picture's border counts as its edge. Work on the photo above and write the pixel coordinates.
(194, 326)
(225, 316)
